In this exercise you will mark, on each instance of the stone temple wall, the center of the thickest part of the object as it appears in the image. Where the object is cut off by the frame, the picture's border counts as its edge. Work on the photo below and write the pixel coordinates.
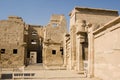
(12, 48)
(53, 41)
(106, 51)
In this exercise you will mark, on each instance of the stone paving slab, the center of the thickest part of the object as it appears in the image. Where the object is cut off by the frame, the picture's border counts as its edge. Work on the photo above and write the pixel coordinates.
(66, 79)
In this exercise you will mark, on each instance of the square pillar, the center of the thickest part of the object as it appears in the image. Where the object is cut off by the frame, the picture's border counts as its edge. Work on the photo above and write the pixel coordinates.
(80, 64)
(90, 52)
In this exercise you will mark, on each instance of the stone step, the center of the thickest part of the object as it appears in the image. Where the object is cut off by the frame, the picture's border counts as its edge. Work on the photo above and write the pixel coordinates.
(49, 75)
(54, 73)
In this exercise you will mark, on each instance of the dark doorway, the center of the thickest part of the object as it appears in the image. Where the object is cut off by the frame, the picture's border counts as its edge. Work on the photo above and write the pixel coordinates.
(85, 48)
(39, 55)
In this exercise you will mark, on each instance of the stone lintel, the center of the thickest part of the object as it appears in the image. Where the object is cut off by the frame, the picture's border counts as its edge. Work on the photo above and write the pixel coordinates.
(49, 43)
(80, 32)
(80, 9)
(95, 9)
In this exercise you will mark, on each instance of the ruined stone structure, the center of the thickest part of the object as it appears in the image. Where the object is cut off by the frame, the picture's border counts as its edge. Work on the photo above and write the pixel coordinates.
(53, 41)
(91, 48)
(26, 44)
(12, 42)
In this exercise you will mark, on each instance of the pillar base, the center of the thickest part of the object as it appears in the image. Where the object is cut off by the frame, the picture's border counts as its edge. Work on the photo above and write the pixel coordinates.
(90, 76)
(80, 72)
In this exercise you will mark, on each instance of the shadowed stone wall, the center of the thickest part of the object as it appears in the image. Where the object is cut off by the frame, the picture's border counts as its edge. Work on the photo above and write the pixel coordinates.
(35, 41)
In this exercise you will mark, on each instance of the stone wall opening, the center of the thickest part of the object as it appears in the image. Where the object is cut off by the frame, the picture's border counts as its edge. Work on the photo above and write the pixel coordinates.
(15, 51)
(85, 51)
(2, 51)
(53, 52)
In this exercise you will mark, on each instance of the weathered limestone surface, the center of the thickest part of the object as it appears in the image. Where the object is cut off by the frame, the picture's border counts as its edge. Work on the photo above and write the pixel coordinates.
(12, 37)
(90, 51)
(53, 41)
(80, 21)
(106, 51)
(67, 52)
(73, 47)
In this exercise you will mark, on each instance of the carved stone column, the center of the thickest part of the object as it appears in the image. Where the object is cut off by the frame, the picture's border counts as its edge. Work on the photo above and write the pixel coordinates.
(80, 33)
(66, 40)
(80, 40)
(90, 51)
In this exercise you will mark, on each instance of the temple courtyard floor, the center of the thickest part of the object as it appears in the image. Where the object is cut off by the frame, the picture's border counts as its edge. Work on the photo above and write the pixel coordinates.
(37, 72)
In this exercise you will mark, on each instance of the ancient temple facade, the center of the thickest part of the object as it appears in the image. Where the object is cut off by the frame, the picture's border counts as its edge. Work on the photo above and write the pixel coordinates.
(89, 40)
